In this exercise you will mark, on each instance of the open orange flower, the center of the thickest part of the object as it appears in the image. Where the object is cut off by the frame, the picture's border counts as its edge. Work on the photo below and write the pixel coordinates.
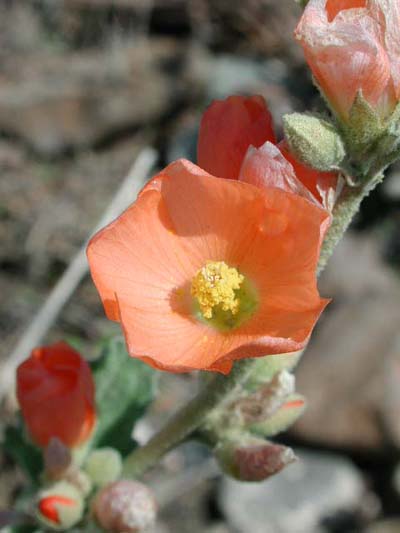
(352, 46)
(55, 391)
(201, 271)
(239, 131)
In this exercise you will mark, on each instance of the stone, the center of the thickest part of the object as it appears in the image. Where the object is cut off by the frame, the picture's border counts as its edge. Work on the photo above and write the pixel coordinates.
(73, 100)
(344, 371)
(385, 526)
(297, 500)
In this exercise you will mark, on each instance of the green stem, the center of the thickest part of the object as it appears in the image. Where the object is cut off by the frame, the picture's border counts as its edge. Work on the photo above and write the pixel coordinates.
(187, 420)
(191, 416)
(342, 215)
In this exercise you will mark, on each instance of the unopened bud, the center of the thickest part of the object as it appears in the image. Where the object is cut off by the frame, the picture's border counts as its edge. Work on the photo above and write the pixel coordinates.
(313, 141)
(265, 368)
(60, 506)
(127, 506)
(283, 418)
(104, 466)
(253, 459)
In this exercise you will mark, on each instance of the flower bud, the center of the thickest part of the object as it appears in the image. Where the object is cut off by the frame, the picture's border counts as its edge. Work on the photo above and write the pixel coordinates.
(252, 459)
(60, 506)
(282, 419)
(313, 141)
(265, 368)
(104, 466)
(55, 390)
(127, 506)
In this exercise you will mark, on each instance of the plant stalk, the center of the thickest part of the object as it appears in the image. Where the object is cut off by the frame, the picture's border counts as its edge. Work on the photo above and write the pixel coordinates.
(186, 421)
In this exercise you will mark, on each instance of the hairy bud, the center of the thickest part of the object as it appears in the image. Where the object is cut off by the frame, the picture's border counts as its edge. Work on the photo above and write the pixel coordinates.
(313, 141)
(252, 459)
(104, 466)
(127, 506)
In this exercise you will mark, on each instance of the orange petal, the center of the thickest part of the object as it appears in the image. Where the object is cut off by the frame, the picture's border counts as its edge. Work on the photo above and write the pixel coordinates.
(227, 129)
(266, 167)
(321, 184)
(345, 55)
(333, 7)
(387, 15)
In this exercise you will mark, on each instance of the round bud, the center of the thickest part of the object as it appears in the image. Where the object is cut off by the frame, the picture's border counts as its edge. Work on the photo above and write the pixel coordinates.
(124, 505)
(60, 506)
(104, 466)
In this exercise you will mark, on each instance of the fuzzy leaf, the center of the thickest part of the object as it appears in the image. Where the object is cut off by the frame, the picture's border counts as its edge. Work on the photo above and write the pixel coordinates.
(364, 126)
(124, 388)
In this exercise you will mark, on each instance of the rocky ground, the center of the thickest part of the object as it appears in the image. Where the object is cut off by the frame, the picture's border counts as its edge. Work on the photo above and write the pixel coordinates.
(84, 86)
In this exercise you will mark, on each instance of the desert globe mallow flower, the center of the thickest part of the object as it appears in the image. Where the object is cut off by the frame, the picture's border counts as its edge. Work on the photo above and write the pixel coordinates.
(201, 271)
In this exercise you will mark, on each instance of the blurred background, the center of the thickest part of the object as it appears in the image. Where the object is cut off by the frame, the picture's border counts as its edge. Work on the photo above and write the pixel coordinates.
(85, 87)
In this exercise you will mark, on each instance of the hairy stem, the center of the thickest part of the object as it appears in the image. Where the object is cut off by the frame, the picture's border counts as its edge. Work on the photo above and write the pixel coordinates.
(186, 421)
(342, 215)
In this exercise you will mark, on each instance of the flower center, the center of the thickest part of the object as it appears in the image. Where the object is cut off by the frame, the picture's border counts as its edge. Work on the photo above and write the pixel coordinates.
(215, 284)
(223, 297)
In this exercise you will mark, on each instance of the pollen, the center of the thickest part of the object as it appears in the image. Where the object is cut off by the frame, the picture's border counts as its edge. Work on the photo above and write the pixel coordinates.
(215, 285)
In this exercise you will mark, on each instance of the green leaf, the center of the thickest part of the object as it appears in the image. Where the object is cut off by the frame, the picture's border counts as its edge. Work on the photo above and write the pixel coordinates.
(124, 388)
(24, 453)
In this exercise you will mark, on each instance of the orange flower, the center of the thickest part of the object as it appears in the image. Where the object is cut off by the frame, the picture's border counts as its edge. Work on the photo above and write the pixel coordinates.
(228, 136)
(201, 271)
(352, 46)
(55, 391)
(228, 127)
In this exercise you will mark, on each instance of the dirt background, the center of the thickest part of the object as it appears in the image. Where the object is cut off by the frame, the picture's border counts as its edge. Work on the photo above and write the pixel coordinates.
(85, 85)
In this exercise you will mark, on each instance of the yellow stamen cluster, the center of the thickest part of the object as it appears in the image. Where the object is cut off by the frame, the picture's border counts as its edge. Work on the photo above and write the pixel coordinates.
(215, 284)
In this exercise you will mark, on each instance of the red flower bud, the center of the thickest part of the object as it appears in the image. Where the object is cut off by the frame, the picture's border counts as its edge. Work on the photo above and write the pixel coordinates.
(55, 390)
(126, 506)
(48, 507)
(249, 458)
(259, 462)
(60, 506)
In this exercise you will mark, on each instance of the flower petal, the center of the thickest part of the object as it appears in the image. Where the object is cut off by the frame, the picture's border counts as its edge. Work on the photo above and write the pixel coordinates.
(387, 14)
(345, 55)
(321, 184)
(334, 7)
(266, 167)
(227, 129)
